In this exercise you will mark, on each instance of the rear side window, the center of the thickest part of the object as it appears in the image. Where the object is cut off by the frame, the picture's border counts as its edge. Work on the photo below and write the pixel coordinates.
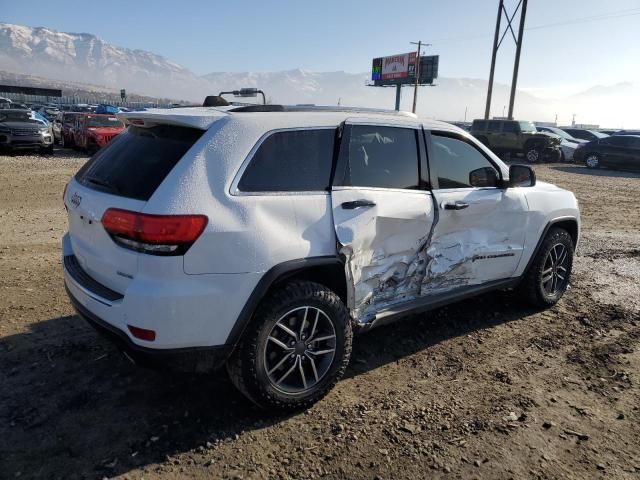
(510, 127)
(379, 156)
(493, 126)
(479, 125)
(135, 162)
(291, 161)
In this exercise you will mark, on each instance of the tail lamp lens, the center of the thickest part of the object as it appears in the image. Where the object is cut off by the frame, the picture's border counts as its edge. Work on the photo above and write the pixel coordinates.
(156, 234)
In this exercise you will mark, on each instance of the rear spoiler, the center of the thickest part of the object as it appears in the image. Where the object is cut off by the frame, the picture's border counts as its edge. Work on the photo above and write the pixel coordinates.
(200, 118)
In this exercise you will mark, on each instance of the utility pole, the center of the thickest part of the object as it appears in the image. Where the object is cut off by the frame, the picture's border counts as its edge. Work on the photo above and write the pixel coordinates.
(493, 61)
(522, 6)
(417, 74)
(415, 87)
(516, 66)
(398, 87)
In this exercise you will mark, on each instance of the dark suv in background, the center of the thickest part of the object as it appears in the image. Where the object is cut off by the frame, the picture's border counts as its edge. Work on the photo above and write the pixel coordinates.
(20, 131)
(617, 151)
(519, 137)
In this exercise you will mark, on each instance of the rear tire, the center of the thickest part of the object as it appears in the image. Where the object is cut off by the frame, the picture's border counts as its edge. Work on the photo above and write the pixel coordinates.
(295, 349)
(548, 276)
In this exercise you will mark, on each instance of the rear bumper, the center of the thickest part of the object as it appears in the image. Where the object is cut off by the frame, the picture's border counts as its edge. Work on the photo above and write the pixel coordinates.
(194, 359)
(191, 315)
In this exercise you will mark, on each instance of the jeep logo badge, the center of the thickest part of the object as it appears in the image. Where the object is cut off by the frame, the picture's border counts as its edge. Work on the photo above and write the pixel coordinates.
(76, 199)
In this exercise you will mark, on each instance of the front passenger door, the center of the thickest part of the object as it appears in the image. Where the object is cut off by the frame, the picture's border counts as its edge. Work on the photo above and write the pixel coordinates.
(480, 230)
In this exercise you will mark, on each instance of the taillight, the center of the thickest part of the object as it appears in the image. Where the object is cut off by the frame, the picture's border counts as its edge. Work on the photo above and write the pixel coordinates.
(142, 333)
(154, 234)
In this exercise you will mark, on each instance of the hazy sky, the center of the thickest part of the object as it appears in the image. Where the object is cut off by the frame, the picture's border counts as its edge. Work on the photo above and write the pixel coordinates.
(569, 45)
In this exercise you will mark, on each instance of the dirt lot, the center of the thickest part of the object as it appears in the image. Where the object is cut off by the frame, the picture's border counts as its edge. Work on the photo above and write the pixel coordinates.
(487, 388)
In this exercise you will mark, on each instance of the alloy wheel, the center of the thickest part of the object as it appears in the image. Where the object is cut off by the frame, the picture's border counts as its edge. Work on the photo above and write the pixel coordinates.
(300, 350)
(592, 161)
(555, 273)
(533, 155)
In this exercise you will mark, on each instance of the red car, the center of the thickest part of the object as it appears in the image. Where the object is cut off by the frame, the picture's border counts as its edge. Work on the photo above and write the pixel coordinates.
(93, 131)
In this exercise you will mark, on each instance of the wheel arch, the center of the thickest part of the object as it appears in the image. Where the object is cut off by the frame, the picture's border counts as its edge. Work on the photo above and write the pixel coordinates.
(570, 224)
(326, 270)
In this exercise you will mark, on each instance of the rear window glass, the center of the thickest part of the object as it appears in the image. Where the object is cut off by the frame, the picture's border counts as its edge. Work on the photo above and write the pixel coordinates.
(290, 161)
(135, 162)
(104, 121)
(479, 125)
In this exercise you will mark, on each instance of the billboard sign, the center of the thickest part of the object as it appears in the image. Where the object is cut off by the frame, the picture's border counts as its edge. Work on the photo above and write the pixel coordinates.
(401, 69)
(395, 68)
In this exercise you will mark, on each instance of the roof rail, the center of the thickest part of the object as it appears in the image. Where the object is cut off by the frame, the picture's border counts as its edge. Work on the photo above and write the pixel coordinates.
(308, 108)
(258, 108)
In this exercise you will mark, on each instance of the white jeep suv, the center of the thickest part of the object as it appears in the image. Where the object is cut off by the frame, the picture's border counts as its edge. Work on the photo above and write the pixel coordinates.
(261, 238)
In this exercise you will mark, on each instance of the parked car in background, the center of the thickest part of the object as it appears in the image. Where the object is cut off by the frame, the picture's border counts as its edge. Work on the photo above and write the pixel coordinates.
(19, 130)
(584, 133)
(511, 136)
(93, 131)
(617, 151)
(627, 132)
(607, 131)
(67, 129)
(561, 133)
(56, 127)
(568, 144)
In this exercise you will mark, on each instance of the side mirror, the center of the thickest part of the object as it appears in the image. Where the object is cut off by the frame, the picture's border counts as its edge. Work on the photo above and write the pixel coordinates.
(521, 176)
(483, 177)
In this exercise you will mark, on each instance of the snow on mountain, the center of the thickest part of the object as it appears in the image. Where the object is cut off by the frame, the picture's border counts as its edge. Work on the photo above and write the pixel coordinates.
(82, 57)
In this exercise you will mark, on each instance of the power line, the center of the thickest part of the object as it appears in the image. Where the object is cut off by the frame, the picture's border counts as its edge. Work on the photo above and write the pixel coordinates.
(636, 11)
(603, 16)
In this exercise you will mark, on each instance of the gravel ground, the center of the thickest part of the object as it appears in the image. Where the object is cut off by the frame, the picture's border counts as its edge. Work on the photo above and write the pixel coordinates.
(487, 388)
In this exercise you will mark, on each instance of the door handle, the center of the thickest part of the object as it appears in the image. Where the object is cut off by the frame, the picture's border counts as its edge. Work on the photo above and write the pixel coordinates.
(357, 204)
(455, 205)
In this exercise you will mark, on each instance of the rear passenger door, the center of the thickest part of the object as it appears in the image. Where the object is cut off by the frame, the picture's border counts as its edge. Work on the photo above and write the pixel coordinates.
(383, 213)
(480, 233)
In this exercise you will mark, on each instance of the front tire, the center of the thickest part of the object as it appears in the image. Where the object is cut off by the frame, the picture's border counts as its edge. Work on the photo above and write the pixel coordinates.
(533, 153)
(592, 160)
(295, 349)
(549, 274)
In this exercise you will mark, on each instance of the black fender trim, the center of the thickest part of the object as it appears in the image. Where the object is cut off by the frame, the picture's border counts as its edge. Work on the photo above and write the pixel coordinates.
(275, 275)
(544, 234)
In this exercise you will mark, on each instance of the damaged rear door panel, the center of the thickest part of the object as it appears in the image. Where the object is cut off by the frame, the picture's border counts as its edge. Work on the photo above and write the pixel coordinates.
(383, 217)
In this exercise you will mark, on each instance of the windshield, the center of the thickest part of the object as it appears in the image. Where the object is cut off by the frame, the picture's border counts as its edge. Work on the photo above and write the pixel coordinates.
(561, 133)
(16, 116)
(104, 121)
(527, 127)
(599, 134)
